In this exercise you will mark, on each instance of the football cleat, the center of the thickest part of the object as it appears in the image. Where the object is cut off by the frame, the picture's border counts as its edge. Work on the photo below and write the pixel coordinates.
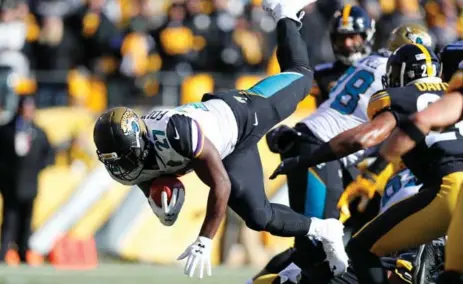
(330, 233)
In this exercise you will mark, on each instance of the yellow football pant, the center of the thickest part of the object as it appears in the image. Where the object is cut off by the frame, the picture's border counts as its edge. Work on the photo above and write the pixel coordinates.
(454, 247)
(418, 220)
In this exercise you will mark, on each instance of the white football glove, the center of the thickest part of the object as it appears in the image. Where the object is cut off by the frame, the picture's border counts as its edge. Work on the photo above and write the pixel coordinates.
(198, 252)
(168, 212)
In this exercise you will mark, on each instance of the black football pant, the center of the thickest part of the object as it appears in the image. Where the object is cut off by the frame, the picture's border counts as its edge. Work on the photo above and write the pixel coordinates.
(257, 110)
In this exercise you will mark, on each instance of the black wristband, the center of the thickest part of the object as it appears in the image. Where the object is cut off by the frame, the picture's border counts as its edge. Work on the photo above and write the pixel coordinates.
(378, 165)
(407, 126)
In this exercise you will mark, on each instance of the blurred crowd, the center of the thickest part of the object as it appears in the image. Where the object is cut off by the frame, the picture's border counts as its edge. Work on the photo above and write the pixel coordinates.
(100, 53)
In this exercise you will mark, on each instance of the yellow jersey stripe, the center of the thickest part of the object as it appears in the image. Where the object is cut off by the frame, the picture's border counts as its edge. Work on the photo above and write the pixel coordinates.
(378, 95)
(345, 14)
(427, 58)
(378, 105)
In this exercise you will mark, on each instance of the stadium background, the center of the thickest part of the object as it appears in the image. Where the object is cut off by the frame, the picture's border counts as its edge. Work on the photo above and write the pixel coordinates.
(81, 57)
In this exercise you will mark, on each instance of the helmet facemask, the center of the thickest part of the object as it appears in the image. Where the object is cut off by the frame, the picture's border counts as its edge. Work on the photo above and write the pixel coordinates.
(350, 56)
(126, 166)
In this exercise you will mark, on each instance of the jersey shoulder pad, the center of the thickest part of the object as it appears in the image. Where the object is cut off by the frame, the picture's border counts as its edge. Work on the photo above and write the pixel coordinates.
(185, 135)
(323, 66)
(379, 102)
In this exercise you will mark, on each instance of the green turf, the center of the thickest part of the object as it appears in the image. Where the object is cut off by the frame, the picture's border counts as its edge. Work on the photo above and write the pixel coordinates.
(118, 274)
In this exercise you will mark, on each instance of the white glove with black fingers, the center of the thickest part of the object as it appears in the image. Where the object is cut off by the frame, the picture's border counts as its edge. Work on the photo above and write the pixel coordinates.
(168, 212)
(198, 253)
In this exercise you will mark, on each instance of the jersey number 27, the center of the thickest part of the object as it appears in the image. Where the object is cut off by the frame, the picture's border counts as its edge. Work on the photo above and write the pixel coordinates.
(346, 101)
(451, 133)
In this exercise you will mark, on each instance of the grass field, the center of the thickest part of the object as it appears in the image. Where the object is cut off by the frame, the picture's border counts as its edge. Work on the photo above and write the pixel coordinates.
(118, 274)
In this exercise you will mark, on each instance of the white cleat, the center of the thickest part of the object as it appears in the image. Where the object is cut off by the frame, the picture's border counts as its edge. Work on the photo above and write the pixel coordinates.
(286, 9)
(330, 233)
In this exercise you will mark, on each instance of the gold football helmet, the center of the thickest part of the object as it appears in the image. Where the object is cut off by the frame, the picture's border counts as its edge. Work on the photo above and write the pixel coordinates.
(409, 33)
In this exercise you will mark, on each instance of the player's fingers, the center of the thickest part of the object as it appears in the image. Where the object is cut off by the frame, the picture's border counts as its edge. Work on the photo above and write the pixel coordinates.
(173, 199)
(181, 195)
(342, 200)
(352, 196)
(201, 267)
(188, 264)
(345, 211)
(183, 255)
(165, 206)
(371, 194)
(275, 173)
(363, 203)
(193, 266)
(208, 266)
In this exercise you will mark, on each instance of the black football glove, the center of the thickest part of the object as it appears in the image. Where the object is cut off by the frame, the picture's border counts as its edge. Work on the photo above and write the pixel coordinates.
(285, 167)
(281, 139)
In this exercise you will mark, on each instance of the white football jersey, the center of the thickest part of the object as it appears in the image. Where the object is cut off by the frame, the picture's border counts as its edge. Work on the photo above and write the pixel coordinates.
(178, 136)
(399, 187)
(347, 104)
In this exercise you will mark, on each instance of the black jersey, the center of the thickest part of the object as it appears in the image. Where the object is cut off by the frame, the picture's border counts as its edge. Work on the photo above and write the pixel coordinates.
(441, 153)
(326, 75)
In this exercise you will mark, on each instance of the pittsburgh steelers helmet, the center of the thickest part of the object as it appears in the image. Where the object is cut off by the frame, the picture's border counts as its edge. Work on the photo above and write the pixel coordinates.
(409, 63)
(451, 57)
(352, 20)
(409, 33)
(120, 139)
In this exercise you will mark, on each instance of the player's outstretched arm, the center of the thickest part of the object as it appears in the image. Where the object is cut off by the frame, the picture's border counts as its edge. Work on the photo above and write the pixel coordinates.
(442, 113)
(361, 137)
(210, 169)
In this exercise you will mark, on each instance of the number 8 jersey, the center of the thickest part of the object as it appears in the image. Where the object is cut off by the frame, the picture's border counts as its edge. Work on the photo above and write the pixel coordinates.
(442, 152)
(346, 107)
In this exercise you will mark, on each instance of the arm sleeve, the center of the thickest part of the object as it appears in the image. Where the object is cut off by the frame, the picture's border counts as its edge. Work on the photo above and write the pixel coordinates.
(145, 187)
(379, 102)
(185, 136)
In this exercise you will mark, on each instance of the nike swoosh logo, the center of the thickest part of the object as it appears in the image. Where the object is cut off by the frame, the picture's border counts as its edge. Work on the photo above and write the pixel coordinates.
(176, 137)
(256, 120)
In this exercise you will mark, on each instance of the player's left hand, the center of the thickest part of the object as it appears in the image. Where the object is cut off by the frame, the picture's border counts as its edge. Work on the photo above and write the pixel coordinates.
(198, 253)
(286, 166)
(282, 138)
